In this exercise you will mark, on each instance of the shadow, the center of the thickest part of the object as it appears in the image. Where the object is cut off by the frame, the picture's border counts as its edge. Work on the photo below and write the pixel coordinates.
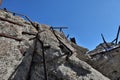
(79, 70)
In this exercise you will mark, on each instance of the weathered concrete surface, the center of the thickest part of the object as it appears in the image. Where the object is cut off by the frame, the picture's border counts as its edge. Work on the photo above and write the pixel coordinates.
(107, 63)
(31, 65)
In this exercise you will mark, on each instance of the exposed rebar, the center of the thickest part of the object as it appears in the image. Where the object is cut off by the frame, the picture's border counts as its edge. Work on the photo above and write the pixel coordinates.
(9, 36)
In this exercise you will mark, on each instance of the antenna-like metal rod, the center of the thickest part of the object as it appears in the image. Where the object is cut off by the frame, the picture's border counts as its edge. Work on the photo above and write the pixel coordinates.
(60, 27)
(105, 41)
(117, 35)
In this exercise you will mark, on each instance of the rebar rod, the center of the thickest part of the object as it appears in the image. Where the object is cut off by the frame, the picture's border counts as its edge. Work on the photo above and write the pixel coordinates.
(4, 19)
(44, 60)
(117, 35)
(105, 41)
(35, 48)
(103, 52)
(9, 36)
(71, 52)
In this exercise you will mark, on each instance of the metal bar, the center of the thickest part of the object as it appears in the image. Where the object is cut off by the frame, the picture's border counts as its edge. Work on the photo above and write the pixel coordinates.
(36, 27)
(54, 33)
(73, 40)
(4, 19)
(113, 41)
(11, 12)
(44, 60)
(43, 54)
(103, 52)
(35, 48)
(10, 77)
(105, 41)
(9, 36)
(28, 33)
(26, 17)
(117, 35)
(60, 27)
(68, 55)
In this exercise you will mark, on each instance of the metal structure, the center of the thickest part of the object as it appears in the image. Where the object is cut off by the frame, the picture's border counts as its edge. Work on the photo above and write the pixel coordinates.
(103, 52)
(105, 41)
(24, 16)
(73, 40)
(43, 55)
(108, 48)
(117, 36)
(60, 28)
(35, 46)
(62, 44)
(9, 36)
(4, 19)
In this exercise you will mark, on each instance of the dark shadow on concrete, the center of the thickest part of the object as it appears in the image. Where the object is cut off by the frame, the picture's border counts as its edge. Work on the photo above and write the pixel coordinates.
(79, 70)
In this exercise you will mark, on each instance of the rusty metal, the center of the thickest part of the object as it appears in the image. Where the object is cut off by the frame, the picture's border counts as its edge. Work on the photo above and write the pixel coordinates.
(35, 49)
(9, 36)
(22, 15)
(117, 36)
(4, 19)
(35, 26)
(4, 9)
(54, 34)
(60, 28)
(10, 77)
(43, 55)
(44, 60)
(28, 33)
(103, 52)
(105, 41)
(73, 40)
(32, 38)
(70, 51)
(37, 39)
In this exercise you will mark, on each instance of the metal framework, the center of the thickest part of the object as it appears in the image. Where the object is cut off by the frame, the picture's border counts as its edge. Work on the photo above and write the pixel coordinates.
(105, 41)
(117, 36)
(35, 46)
(60, 28)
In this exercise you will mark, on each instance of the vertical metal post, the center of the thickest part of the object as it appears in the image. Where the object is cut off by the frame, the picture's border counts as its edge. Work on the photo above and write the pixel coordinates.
(105, 41)
(35, 48)
(44, 60)
(117, 35)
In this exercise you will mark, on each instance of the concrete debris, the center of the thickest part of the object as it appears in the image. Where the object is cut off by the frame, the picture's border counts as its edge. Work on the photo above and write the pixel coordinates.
(107, 62)
(23, 60)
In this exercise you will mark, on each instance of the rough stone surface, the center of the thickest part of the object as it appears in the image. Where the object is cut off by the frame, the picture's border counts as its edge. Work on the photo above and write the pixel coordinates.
(107, 63)
(31, 64)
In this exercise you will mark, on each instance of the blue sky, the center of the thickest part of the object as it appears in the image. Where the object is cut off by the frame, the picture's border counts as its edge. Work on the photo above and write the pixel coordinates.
(86, 19)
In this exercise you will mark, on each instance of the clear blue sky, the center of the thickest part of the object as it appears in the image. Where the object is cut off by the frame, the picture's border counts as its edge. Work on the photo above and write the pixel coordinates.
(86, 19)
